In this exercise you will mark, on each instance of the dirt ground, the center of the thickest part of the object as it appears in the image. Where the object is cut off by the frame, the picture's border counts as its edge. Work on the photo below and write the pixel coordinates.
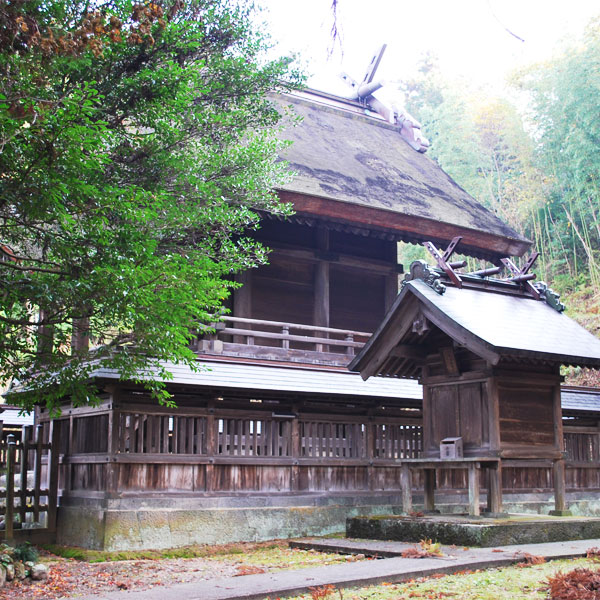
(72, 578)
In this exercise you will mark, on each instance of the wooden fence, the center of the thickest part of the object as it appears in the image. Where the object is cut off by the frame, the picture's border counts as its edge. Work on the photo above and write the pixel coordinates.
(28, 499)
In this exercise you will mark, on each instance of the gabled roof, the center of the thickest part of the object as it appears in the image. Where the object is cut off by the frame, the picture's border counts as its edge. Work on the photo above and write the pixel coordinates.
(354, 167)
(491, 324)
(580, 399)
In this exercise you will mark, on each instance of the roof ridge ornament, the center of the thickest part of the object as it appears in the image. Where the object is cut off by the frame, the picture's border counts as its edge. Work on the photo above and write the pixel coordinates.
(410, 128)
(551, 297)
(419, 269)
(520, 277)
(442, 260)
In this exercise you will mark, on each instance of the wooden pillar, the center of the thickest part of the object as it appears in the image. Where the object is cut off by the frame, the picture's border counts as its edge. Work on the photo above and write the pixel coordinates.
(370, 431)
(429, 489)
(295, 469)
(494, 491)
(321, 286)
(242, 297)
(391, 290)
(560, 497)
(112, 467)
(56, 428)
(212, 441)
(242, 303)
(406, 488)
(474, 489)
(321, 305)
(429, 449)
(493, 398)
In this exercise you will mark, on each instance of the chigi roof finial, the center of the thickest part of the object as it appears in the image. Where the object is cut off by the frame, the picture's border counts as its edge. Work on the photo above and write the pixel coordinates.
(410, 128)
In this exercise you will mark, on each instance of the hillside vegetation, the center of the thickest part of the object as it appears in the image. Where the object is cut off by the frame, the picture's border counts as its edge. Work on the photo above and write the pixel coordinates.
(533, 158)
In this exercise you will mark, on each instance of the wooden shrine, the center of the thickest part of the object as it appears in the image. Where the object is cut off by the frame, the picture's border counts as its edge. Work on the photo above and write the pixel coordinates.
(275, 437)
(487, 352)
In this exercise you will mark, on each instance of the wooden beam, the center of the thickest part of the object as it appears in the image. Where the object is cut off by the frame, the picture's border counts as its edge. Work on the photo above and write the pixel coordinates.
(408, 351)
(345, 260)
(407, 227)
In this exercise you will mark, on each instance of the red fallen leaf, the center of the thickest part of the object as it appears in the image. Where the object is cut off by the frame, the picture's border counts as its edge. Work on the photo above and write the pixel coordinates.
(497, 550)
(528, 559)
(248, 570)
(593, 553)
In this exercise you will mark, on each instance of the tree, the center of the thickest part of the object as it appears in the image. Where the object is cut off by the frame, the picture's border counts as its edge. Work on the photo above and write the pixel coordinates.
(137, 143)
(480, 141)
(564, 101)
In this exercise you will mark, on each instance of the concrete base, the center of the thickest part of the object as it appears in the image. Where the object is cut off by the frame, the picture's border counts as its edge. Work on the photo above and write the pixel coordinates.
(168, 522)
(117, 524)
(469, 531)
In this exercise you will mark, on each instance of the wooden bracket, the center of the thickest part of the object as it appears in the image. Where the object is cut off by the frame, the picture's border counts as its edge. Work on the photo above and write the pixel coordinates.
(522, 275)
(420, 325)
(442, 260)
(450, 362)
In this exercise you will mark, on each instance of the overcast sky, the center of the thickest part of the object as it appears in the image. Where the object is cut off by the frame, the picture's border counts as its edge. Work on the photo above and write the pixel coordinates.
(470, 37)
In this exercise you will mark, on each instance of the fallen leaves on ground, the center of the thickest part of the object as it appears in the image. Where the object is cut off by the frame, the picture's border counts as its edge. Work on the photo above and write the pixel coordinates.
(526, 560)
(578, 584)
(71, 577)
(249, 570)
(593, 553)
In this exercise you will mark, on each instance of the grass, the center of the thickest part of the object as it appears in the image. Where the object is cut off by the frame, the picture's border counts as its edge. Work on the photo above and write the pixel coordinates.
(272, 556)
(516, 583)
(201, 551)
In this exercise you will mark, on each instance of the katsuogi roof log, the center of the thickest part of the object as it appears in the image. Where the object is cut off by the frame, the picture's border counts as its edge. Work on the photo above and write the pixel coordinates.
(356, 168)
(493, 322)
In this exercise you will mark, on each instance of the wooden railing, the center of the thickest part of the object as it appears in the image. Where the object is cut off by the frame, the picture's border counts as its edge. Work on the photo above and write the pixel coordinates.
(28, 498)
(159, 450)
(275, 340)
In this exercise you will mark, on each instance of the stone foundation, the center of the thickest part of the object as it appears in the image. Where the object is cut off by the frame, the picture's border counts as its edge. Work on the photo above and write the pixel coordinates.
(469, 531)
(156, 523)
(175, 522)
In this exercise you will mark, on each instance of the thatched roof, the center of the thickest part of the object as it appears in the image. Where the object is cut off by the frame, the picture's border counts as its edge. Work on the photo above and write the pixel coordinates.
(359, 161)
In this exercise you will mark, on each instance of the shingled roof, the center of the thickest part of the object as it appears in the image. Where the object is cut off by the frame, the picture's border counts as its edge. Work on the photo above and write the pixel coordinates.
(355, 167)
(491, 324)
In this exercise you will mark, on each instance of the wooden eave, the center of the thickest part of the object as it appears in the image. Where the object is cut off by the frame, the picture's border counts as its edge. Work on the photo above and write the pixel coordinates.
(406, 228)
